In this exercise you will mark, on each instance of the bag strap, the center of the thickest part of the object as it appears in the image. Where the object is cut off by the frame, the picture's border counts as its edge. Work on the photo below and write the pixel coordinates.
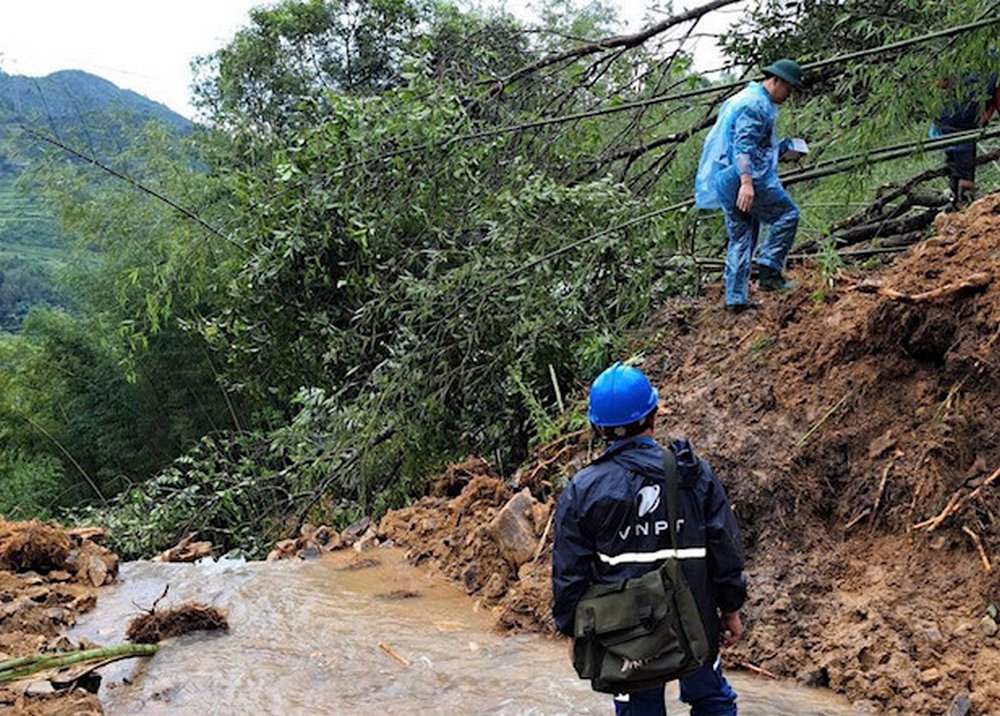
(673, 493)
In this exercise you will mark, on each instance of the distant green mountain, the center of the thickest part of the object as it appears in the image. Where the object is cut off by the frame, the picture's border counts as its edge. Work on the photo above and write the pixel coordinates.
(90, 114)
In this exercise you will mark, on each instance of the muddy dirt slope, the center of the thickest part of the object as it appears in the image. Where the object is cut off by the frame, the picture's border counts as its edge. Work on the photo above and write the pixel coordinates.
(857, 430)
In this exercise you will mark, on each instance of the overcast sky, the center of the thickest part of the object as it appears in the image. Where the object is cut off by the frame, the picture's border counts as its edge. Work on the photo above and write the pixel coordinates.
(148, 46)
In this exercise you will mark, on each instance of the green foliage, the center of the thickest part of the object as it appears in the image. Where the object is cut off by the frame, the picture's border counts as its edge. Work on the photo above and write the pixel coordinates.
(829, 263)
(295, 52)
(813, 29)
(392, 289)
(23, 283)
(544, 427)
(28, 485)
(225, 490)
(91, 114)
(115, 391)
(64, 397)
(760, 344)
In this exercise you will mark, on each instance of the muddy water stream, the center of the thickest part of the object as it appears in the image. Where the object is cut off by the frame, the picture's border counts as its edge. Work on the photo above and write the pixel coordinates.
(305, 639)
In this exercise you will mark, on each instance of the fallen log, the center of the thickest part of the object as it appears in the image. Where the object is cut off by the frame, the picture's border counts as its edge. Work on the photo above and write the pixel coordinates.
(890, 192)
(975, 282)
(888, 227)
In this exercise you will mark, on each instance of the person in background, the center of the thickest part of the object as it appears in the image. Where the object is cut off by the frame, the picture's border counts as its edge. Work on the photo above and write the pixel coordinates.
(973, 103)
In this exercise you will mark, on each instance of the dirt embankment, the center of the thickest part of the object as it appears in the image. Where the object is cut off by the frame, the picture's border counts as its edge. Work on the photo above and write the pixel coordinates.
(48, 575)
(858, 435)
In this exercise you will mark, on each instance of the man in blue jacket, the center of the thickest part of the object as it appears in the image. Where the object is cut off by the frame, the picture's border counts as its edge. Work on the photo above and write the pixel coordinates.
(738, 172)
(610, 526)
(976, 102)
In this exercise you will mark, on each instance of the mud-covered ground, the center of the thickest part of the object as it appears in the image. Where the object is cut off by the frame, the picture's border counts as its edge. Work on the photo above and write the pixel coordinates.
(48, 575)
(858, 435)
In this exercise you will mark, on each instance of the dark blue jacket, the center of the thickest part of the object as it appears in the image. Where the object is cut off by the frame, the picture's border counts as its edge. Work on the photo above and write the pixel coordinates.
(963, 113)
(611, 524)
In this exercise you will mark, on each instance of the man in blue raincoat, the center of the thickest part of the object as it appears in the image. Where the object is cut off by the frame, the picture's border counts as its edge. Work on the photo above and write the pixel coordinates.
(738, 172)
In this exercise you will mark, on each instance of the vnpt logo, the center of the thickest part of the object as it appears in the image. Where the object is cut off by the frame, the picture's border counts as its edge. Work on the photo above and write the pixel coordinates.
(649, 499)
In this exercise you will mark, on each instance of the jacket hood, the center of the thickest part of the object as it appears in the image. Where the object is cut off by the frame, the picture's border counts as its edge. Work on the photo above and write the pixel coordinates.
(645, 457)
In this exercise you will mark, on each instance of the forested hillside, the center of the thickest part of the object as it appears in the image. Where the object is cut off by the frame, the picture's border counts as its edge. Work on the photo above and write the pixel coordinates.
(414, 232)
(408, 233)
(97, 117)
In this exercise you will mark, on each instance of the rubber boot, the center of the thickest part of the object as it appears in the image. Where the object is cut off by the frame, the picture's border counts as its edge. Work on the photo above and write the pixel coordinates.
(770, 280)
(741, 307)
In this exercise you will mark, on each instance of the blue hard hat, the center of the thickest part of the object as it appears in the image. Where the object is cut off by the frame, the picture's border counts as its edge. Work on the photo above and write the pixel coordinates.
(621, 395)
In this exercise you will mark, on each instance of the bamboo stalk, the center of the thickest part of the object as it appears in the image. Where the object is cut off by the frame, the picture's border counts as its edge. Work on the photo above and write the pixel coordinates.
(541, 542)
(15, 669)
(555, 385)
(20, 661)
(659, 99)
(187, 213)
(867, 159)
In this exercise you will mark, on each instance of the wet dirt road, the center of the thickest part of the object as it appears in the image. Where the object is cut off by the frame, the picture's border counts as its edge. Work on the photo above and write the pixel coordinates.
(318, 637)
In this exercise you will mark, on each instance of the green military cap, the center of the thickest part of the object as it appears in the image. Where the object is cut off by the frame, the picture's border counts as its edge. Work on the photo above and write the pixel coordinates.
(787, 70)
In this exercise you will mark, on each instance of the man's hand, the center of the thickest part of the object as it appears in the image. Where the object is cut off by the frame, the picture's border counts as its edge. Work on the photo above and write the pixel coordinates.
(731, 628)
(744, 200)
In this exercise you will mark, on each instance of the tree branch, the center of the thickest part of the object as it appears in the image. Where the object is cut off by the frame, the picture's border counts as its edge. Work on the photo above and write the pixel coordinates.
(609, 43)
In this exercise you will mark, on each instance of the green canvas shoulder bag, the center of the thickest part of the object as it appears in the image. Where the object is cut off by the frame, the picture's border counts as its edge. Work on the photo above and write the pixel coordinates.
(645, 631)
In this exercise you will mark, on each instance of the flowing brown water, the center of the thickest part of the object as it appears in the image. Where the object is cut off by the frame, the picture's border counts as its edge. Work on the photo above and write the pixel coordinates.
(305, 639)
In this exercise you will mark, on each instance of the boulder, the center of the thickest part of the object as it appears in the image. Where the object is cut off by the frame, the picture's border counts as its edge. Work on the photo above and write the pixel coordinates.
(93, 563)
(367, 541)
(513, 529)
(187, 550)
(961, 705)
(353, 532)
(285, 549)
(327, 538)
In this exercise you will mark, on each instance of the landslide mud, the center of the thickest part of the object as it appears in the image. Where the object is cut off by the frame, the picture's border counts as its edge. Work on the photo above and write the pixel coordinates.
(48, 577)
(856, 435)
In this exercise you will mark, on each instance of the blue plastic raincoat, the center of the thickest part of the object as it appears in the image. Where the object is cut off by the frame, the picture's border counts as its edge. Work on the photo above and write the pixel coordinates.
(744, 142)
(744, 135)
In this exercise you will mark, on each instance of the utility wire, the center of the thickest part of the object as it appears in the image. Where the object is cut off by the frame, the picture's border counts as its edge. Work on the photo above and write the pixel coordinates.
(134, 182)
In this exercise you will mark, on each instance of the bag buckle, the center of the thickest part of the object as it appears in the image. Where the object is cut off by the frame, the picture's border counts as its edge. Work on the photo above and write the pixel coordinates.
(646, 616)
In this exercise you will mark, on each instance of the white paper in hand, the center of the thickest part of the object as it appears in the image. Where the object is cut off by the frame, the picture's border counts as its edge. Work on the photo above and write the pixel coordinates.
(798, 145)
